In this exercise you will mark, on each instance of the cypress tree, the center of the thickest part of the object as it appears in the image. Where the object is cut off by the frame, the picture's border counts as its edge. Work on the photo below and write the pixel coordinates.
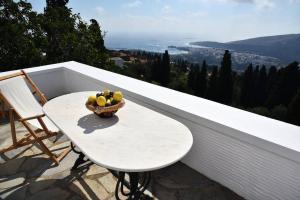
(271, 85)
(285, 87)
(261, 86)
(293, 113)
(191, 76)
(212, 90)
(246, 97)
(255, 86)
(165, 69)
(201, 80)
(155, 69)
(225, 85)
(96, 36)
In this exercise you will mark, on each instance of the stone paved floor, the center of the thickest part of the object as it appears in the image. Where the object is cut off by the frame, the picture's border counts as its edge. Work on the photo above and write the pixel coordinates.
(27, 173)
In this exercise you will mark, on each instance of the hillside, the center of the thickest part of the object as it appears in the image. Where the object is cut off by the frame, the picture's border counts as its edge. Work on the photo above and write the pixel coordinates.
(213, 56)
(284, 47)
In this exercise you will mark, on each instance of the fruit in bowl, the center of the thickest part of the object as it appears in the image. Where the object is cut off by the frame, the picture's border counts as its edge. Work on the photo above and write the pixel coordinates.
(105, 103)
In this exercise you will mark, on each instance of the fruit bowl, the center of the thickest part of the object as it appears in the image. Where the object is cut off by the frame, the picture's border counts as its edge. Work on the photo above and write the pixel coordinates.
(106, 103)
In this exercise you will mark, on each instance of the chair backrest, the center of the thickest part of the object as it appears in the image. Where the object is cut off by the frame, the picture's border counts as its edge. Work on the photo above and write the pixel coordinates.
(17, 93)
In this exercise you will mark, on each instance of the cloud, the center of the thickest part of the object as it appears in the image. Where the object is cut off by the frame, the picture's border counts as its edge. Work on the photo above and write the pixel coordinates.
(294, 1)
(166, 9)
(133, 4)
(100, 10)
(197, 14)
(261, 4)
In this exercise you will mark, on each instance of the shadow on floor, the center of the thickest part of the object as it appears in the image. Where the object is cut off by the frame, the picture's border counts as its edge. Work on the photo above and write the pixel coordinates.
(70, 186)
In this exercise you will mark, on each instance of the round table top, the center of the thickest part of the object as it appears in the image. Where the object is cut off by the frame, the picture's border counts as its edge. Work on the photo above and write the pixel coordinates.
(136, 139)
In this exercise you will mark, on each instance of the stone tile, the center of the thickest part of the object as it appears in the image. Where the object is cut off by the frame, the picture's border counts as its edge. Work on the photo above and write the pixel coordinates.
(76, 197)
(66, 164)
(181, 176)
(96, 170)
(16, 153)
(36, 149)
(36, 166)
(11, 167)
(27, 152)
(40, 184)
(79, 190)
(12, 181)
(50, 194)
(120, 196)
(89, 189)
(97, 188)
(59, 148)
(109, 182)
(18, 193)
(61, 175)
(5, 131)
(59, 138)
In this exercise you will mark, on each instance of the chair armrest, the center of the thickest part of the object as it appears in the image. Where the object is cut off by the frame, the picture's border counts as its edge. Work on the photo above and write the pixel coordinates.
(33, 117)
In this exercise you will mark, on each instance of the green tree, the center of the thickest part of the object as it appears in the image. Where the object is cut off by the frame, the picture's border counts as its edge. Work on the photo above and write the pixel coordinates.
(201, 80)
(193, 77)
(225, 83)
(165, 69)
(19, 35)
(246, 97)
(278, 112)
(285, 86)
(56, 3)
(155, 68)
(293, 113)
(271, 84)
(212, 90)
(261, 87)
(59, 25)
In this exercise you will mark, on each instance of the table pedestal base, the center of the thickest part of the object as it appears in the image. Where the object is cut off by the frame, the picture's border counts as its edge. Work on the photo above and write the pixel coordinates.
(80, 160)
(138, 183)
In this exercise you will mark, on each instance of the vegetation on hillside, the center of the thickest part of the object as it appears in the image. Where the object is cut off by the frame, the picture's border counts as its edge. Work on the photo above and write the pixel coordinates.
(270, 92)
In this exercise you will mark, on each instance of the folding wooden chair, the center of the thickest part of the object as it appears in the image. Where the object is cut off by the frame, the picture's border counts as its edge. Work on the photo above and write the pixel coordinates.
(20, 100)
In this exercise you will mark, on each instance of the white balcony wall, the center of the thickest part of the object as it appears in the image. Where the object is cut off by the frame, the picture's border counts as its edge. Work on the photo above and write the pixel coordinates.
(51, 82)
(237, 149)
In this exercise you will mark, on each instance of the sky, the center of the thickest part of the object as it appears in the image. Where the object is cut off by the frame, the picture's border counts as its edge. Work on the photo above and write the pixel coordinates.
(217, 20)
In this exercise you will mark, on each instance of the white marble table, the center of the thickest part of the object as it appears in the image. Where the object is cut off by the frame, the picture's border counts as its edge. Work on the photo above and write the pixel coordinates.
(136, 139)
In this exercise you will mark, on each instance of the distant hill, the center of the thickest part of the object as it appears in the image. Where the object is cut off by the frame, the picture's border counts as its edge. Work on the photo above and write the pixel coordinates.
(213, 56)
(284, 47)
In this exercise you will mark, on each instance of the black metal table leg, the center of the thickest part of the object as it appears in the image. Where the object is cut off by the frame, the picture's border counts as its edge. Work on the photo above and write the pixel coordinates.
(136, 191)
(138, 182)
(80, 160)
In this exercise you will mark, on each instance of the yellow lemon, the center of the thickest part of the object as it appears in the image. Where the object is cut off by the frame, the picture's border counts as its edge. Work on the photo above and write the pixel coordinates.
(106, 93)
(92, 99)
(108, 103)
(101, 101)
(118, 96)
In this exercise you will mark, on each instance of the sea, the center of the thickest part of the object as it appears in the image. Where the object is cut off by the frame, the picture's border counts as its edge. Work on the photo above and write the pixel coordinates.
(150, 43)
